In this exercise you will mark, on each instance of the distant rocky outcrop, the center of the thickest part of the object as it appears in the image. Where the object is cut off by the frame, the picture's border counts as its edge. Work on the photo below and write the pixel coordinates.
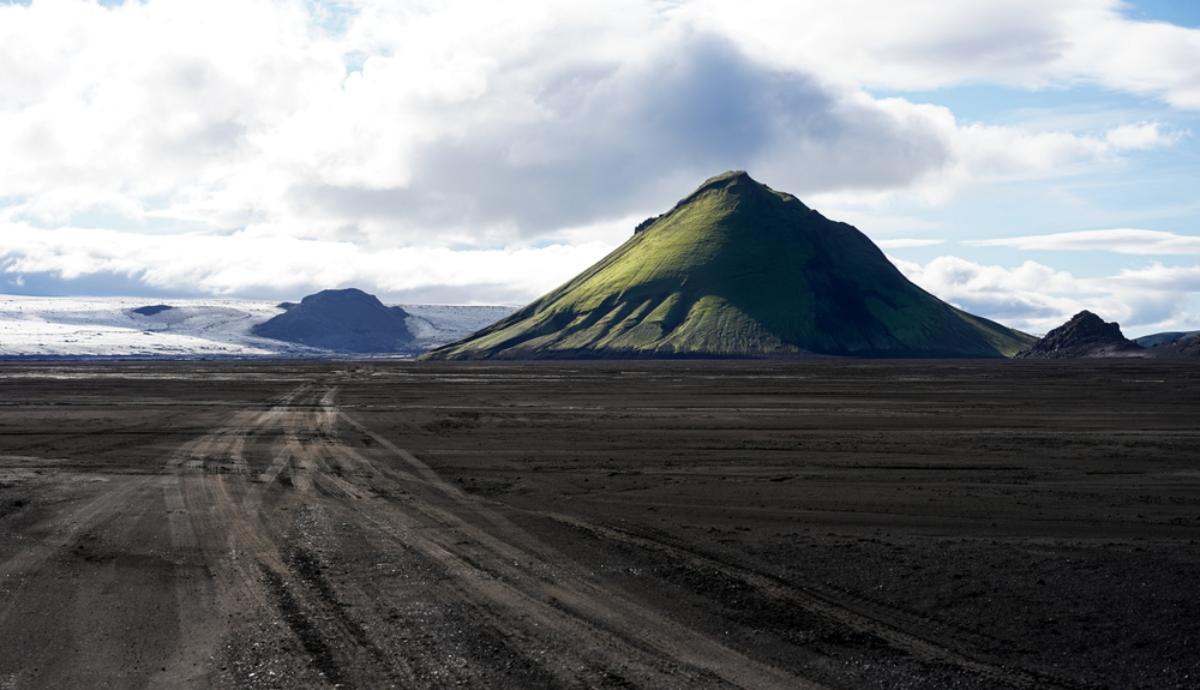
(1187, 347)
(1157, 339)
(1085, 335)
(152, 309)
(347, 320)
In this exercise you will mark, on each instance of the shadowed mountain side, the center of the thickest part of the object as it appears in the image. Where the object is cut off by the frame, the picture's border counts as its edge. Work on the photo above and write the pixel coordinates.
(1187, 347)
(343, 321)
(737, 269)
(1159, 339)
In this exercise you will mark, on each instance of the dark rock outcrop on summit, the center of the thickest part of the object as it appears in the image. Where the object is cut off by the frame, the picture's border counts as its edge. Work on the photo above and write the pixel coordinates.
(348, 320)
(1084, 335)
(152, 309)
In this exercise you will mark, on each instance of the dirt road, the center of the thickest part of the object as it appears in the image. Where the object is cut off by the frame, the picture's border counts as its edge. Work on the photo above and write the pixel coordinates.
(296, 541)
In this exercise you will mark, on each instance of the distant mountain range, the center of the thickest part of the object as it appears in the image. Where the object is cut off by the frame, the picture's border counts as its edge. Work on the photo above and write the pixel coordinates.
(107, 327)
(1156, 339)
(737, 269)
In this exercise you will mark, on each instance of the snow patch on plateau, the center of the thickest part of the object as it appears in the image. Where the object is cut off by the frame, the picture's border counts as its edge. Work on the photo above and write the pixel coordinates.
(192, 328)
(439, 324)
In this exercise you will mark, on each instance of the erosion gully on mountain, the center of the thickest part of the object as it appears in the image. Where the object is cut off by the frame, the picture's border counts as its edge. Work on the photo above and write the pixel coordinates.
(675, 524)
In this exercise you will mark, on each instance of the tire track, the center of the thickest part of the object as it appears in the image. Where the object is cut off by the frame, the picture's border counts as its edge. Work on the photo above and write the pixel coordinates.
(822, 605)
(826, 607)
(259, 577)
(562, 597)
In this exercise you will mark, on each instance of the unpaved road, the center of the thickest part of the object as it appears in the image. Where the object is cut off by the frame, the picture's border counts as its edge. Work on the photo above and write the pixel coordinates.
(657, 525)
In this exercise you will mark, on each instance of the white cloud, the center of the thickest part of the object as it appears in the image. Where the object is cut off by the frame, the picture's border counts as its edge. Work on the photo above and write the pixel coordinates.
(1139, 135)
(1035, 298)
(1118, 240)
(1029, 296)
(249, 263)
(929, 44)
(1160, 277)
(202, 137)
(489, 120)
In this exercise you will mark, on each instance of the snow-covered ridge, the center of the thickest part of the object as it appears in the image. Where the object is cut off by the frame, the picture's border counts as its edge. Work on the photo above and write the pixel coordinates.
(191, 328)
(438, 324)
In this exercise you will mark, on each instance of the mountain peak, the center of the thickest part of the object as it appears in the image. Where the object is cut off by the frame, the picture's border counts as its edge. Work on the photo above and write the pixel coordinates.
(1083, 335)
(342, 296)
(738, 183)
(737, 187)
(1091, 325)
(737, 269)
(1087, 317)
(727, 179)
(348, 320)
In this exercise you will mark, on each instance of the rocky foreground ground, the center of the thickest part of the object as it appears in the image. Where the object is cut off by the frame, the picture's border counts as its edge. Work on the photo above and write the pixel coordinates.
(673, 524)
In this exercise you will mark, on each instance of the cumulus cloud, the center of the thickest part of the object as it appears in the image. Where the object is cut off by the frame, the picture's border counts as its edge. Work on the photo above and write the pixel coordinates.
(1140, 135)
(1035, 297)
(929, 44)
(1117, 240)
(479, 120)
(282, 131)
(241, 263)
(1177, 279)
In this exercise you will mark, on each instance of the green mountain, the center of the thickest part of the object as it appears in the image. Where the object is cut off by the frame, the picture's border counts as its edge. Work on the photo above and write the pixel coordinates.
(738, 269)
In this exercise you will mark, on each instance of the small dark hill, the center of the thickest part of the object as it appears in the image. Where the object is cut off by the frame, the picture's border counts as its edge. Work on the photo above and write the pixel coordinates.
(1187, 347)
(737, 269)
(152, 309)
(1157, 339)
(1084, 335)
(343, 321)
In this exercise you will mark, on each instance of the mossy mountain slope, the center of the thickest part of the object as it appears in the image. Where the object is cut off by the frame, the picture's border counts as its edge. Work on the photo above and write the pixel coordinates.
(737, 269)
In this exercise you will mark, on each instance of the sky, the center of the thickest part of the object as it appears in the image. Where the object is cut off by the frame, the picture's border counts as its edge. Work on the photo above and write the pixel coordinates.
(1021, 159)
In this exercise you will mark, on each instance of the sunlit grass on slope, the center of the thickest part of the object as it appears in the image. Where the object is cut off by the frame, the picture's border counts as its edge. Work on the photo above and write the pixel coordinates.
(738, 269)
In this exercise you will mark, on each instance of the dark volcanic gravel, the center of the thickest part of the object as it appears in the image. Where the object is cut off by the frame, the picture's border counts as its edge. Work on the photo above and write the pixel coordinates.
(668, 524)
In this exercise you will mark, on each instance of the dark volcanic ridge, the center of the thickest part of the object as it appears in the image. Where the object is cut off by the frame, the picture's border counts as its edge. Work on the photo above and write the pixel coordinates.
(349, 320)
(1084, 335)
(1186, 347)
(737, 269)
(1158, 339)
